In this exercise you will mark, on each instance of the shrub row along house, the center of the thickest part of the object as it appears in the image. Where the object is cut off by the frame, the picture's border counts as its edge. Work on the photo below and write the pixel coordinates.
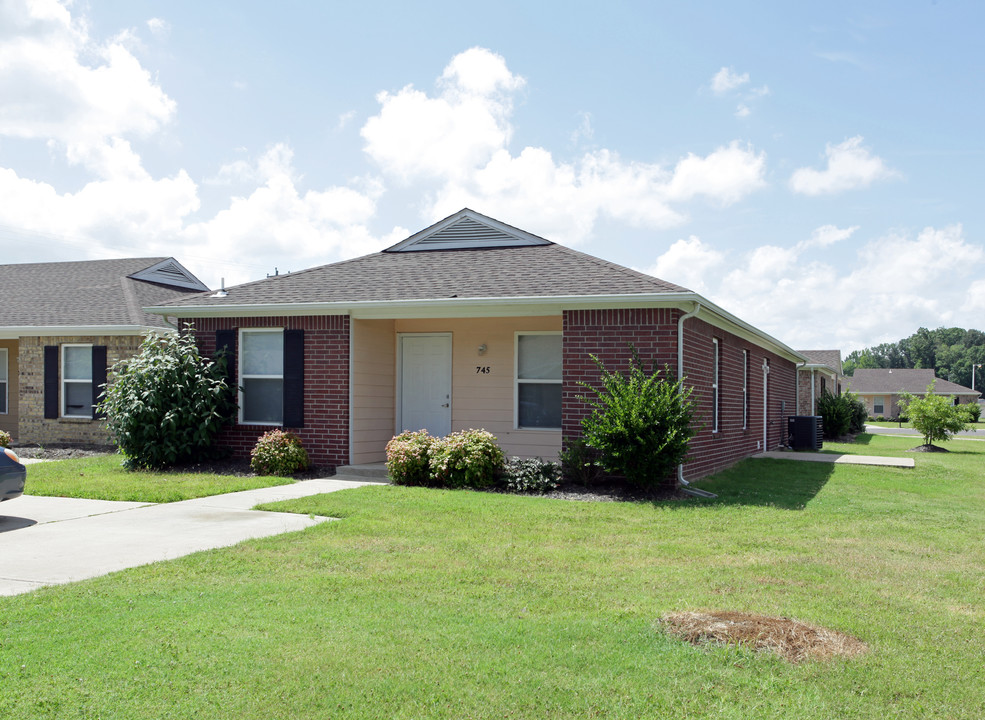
(62, 324)
(472, 323)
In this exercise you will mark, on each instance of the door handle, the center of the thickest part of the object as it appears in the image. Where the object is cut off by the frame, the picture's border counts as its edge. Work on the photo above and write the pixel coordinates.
(445, 405)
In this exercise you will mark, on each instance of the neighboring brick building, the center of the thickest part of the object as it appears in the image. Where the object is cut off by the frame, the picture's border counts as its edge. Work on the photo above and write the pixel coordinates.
(821, 373)
(62, 325)
(472, 323)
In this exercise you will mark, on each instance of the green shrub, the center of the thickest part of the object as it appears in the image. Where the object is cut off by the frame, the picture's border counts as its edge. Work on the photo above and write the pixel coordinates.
(4, 438)
(972, 411)
(836, 414)
(408, 458)
(278, 453)
(640, 423)
(579, 463)
(166, 404)
(530, 476)
(935, 416)
(858, 413)
(880, 418)
(470, 458)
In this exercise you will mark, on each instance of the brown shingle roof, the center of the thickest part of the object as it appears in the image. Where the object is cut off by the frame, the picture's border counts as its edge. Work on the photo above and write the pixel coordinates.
(897, 380)
(84, 293)
(548, 270)
(831, 358)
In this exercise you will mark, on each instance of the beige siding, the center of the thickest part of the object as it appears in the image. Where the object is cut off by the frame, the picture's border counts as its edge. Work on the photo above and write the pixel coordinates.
(373, 388)
(8, 420)
(479, 399)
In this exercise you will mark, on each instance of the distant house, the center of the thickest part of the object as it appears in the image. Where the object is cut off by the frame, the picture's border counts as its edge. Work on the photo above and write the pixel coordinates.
(880, 389)
(473, 323)
(61, 325)
(821, 373)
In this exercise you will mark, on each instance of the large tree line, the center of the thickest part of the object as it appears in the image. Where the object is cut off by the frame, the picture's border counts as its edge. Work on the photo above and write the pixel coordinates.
(949, 351)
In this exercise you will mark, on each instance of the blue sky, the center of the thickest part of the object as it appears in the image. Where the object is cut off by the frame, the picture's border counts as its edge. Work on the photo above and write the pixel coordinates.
(815, 168)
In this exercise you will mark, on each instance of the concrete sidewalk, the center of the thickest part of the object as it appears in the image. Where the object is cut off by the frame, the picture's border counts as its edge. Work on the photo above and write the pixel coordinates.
(838, 459)
(50, 541)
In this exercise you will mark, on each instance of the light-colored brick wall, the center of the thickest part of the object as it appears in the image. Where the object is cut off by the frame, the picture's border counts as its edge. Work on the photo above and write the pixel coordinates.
(32, 426)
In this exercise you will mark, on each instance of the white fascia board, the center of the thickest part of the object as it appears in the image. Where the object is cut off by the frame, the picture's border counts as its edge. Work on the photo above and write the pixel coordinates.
(492, 307)
(12, 332)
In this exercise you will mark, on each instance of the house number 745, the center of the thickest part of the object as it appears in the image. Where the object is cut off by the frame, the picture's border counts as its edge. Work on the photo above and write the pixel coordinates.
(483, 370)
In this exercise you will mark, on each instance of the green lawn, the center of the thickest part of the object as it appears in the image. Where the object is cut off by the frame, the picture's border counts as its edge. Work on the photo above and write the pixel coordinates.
(103, 478)
(425, 603)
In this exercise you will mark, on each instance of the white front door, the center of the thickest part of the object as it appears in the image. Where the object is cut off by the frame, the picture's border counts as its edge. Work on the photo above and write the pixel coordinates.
(425, 383)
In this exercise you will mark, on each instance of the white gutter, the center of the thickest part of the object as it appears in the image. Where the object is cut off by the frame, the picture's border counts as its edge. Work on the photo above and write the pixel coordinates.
(17, 331)
(684, 484)
(813, 374)
(485, 307)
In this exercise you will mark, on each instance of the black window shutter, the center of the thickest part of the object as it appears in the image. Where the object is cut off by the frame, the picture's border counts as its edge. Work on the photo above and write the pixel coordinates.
(98, 377)
(51, 381)
(225, 341)
(294, 378)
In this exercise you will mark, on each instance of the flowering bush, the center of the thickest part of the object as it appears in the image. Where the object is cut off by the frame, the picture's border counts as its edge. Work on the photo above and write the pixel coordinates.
(278, 453)
(408, 458)
(470, 458)
(530, 475)
(4, 438)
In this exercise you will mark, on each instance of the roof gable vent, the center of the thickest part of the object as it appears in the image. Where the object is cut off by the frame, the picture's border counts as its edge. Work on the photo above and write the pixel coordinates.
(467, 230)
(170, 272)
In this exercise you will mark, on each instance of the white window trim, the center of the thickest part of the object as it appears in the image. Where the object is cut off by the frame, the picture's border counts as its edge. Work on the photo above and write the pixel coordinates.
(65, 381)
(882, 402)
(517, 381)
(5, 364)
(715, 379)
(745, 389)
(242, 377)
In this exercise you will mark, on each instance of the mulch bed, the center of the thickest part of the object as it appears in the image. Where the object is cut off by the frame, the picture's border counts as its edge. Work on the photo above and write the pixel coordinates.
(792, 640)
(928, 448)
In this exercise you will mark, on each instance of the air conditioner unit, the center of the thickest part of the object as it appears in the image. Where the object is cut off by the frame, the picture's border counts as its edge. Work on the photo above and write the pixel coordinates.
(806, 432)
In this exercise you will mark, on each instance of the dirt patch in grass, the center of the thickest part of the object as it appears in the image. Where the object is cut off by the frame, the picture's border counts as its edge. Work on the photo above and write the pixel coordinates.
(790, 639)
(928, 448)
(62, 451)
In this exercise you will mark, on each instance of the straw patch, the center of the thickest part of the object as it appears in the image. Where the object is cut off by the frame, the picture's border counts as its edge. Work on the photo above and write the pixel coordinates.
(790, 639)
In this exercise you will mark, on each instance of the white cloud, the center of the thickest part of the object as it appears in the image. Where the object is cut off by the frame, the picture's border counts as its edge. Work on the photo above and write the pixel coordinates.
(727, 79)
(688, 263)
(458, 141)
(850, 166)
(742, 111)
(59, 84)
(896, 284)
(159, 26)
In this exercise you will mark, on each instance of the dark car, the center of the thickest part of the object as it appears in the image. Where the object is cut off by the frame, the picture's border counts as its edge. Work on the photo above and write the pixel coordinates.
(12, 475)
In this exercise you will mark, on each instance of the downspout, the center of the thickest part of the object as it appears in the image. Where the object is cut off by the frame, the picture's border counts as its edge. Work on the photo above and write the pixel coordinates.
(684, 484)
(813, 397)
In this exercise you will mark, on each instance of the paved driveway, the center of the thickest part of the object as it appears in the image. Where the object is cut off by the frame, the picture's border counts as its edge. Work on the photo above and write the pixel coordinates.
(50, 541)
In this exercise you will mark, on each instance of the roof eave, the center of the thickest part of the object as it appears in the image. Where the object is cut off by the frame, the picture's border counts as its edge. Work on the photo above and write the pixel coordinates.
(19, 331)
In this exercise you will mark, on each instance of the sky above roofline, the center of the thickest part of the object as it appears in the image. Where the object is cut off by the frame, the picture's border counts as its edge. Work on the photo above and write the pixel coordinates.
(814, 170)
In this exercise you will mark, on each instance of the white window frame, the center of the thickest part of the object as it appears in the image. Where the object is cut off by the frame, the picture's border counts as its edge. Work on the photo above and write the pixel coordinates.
(745, 389)
(63, 401)
(5, 366)
(239, 365)
(882, 404)
(517, 381)
(715, 380)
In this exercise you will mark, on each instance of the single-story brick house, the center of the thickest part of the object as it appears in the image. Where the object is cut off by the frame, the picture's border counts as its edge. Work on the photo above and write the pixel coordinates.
(880, 388)
(61, 325)
(473, 323)
(821, 373)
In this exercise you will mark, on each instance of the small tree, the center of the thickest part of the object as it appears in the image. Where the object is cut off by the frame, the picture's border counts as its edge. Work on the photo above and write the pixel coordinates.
(167, 403)
(640, 422)
(935, 416)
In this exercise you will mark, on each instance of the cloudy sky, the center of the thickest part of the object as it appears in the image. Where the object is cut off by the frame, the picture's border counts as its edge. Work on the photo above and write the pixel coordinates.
(814, 168)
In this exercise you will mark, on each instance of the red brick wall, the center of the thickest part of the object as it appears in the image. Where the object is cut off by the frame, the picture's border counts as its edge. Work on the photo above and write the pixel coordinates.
(653, 332)
(326, 378)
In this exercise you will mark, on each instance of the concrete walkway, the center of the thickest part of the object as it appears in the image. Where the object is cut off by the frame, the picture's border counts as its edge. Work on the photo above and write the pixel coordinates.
(51, 541)
(838, 459)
